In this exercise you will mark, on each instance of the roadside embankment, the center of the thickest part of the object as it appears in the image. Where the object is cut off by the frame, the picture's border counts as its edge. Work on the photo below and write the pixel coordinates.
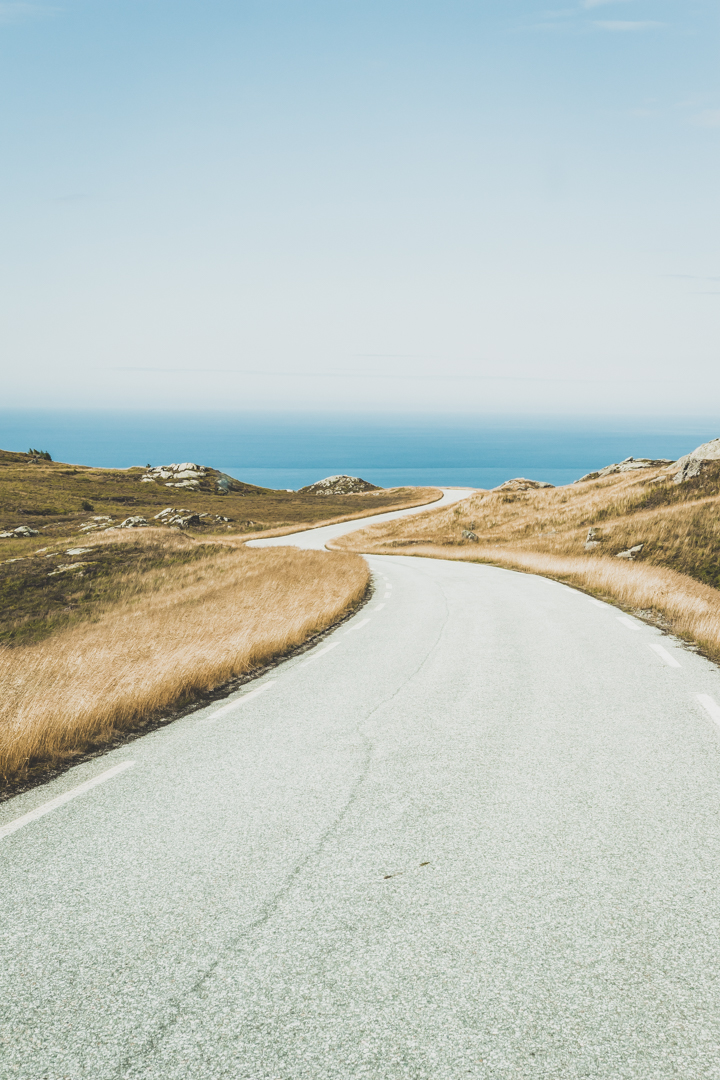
(156, 634)
(635, 539)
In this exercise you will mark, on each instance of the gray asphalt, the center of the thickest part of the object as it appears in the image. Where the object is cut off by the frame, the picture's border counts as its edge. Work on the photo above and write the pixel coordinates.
(478, 837)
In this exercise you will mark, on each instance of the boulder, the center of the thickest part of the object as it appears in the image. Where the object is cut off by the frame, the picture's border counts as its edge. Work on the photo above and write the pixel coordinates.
(628, 465)
(186, 521)
(692, 464)
(592, 540)
(133, 523)
(521, 484)
(631, 553)
(22, 530)
(186, 470)
(468, 534)
(339, 485)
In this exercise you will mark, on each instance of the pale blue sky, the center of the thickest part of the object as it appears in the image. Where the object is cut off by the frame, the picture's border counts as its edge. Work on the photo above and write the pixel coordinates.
(479, 206)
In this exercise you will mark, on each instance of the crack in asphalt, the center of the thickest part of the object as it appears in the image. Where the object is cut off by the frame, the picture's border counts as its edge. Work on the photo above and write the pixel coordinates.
(175, 1010)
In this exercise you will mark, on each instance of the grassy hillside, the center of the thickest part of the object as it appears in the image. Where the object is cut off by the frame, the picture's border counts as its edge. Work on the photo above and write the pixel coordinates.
(181, 623)
(81, 561)
(62, 500)
(105, 629)
(674, 580)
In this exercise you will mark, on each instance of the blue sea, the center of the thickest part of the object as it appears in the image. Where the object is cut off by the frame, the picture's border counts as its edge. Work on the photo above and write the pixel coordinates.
(289, 450)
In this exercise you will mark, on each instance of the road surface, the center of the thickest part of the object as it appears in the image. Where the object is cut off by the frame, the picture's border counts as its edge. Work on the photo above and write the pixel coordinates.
(474, 833)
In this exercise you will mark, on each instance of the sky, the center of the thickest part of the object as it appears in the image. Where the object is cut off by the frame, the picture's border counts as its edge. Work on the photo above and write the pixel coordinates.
(462, 206)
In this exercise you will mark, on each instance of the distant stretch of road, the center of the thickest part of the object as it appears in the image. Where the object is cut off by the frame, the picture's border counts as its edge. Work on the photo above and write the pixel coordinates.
(474, 833)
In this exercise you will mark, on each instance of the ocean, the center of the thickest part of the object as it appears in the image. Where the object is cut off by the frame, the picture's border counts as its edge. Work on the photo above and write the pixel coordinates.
(289, 450)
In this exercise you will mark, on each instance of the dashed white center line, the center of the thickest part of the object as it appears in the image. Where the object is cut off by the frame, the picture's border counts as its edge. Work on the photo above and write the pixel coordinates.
(242, 699)
(378, 607)
(357, 626)
(710, 706)
(332, 645)
(628, 622)
(665, 655)
(67, 796)
(597, 603)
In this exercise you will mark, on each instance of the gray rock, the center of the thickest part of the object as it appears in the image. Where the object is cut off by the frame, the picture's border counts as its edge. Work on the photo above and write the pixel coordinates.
(521, 484)
(133, 523)
(186, 521)
(628, 465)
(631, 553)
(339, 485)
(22, 530)
(593, 534)
(468, 534)
(692, 464)
(590, 545)
(696, 462)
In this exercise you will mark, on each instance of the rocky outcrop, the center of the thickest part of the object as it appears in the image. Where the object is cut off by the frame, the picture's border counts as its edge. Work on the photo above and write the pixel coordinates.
(339, 485)
(133, 523)
(628, 465)
(194, 477)
(22, 530)
(521, 484)
(468, 534)
(631, 553)
(184, 519)
(694, 463)
(593, 540)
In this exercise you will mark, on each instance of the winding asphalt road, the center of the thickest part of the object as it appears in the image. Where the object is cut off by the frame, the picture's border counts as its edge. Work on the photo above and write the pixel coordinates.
(474, 833)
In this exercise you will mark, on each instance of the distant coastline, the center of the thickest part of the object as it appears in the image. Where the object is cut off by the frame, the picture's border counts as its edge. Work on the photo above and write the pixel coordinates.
(284, 450)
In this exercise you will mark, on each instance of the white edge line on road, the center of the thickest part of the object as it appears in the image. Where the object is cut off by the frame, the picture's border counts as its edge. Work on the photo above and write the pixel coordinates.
(242, 699)
(627, 622)
(710, 706)
(322, 652)
(67, 796)
(665, 655)
(378, 608)
(357, 626)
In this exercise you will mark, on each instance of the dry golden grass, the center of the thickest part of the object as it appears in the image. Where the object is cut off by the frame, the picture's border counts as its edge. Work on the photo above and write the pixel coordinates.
(544, 532)
(170, 634)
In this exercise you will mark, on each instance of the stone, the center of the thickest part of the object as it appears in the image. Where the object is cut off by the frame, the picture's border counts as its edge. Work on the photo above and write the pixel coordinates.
(77, 551)
(339, 485)
(185, 522)
(628, 465)
(590, 545)
(631, 553)
(593, 534)
(133, 523)
(468, 534)
(22, 530)
(692, 464)
(185, 484)
(519, 483)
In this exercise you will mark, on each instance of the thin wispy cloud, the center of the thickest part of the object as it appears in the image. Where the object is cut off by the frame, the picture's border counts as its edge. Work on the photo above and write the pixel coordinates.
(587, 4)
(620, 26)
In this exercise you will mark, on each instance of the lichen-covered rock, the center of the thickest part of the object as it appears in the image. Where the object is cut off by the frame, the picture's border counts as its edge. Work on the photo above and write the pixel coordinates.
(339, 485)
(468, 534)
(133, 523)
(631, 553)
(692, 464)
(519, 483)
(628, 465)
(22, 530)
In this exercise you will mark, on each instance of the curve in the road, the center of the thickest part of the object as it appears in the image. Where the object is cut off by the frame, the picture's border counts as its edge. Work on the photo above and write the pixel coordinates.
(474, 834)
